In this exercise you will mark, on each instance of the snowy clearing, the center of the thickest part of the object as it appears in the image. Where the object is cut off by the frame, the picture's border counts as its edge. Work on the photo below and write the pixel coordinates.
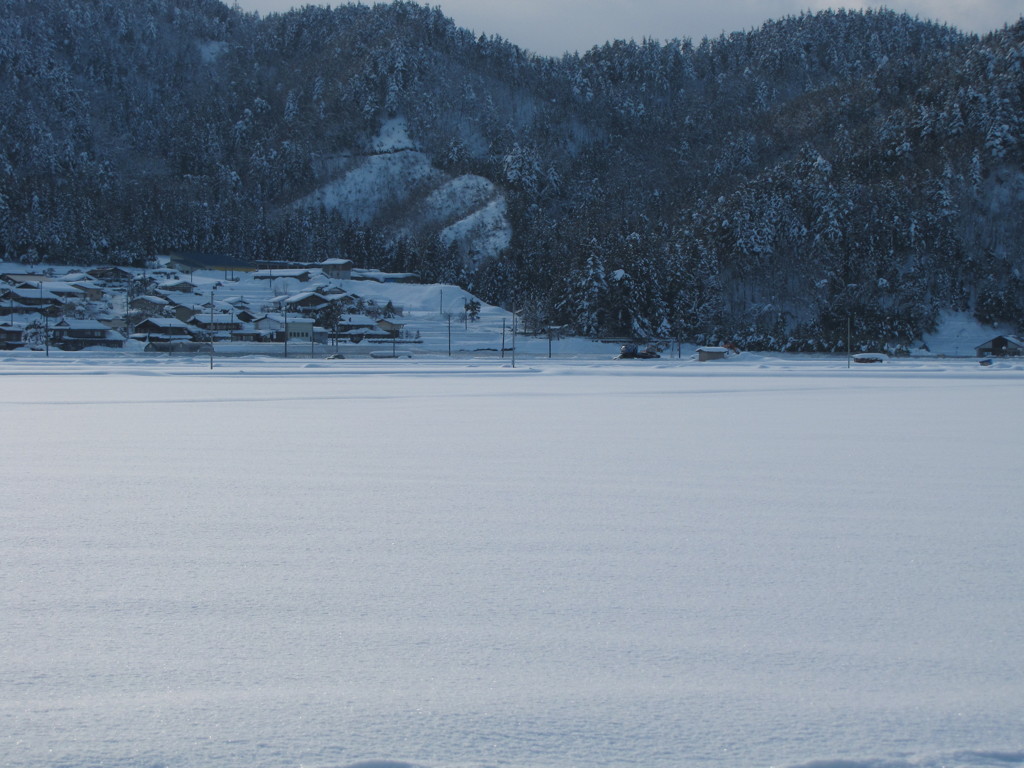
(768, 562)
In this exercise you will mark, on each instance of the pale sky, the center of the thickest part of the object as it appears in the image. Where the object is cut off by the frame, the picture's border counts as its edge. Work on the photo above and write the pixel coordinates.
(551, 27)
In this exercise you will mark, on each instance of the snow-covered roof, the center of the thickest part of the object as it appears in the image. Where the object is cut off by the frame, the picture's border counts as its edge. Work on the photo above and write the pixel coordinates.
(303, 296)
(21, 277)
(24, 318)
(78, 324)
(56, 286)
(33, 293)
(218, 317)
(166, 322)
(277, 317)
(1014, 340)
(357, 320)
(364, 332)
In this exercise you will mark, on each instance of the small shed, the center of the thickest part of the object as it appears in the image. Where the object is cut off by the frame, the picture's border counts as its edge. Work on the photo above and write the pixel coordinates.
(704, 354)
(1001, 346)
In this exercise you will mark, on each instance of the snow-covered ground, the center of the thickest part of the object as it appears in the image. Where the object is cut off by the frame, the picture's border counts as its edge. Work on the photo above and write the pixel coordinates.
(765, 562)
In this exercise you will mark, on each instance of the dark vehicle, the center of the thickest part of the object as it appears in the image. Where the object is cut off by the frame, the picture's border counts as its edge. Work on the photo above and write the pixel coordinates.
(633, 352)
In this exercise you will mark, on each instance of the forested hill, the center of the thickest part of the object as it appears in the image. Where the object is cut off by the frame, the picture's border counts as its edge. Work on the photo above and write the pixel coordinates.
(763, 186)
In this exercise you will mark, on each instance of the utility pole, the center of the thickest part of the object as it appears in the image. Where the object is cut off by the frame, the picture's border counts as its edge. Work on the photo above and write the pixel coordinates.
(211, 329)
(449, 335)
(46, 322)
(503, 338)
(286, 330)
(848, 350)
(515, 324)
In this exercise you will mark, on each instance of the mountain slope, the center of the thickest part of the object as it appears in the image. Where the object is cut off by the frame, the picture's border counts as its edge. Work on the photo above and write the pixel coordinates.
(764, 186)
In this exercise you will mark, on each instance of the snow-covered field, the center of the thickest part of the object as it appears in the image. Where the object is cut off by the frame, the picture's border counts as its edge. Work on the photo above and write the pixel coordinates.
(769, 562)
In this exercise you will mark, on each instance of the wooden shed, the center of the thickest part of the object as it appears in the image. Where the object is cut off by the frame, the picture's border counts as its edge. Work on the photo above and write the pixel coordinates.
(705, 354)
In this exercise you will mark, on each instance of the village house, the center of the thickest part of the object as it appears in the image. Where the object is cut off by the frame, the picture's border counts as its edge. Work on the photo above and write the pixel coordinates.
(355, 323)
(19, 278)
(355, 328)
(295, 327)
(92, 291)
(299, 329)
(153, 305)
(110, 274)
(308, 301)
(74, 334)
(1001, 346)
(336, 269)
(302, 275)
(114, 322)
(23, 300)
(178, 286)
(216, 322)
(162, 329)
(275, 303)
(64, 291)
(234, 301)
(390, 326)
(249, 332)
(183, 310)
(11, 335)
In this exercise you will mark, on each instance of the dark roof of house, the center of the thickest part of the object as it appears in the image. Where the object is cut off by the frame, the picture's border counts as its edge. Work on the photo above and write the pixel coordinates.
(200, 260)
(1014, 340)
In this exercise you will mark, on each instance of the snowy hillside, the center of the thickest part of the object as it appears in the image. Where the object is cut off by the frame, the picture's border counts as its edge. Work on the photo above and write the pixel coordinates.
(395, 186)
